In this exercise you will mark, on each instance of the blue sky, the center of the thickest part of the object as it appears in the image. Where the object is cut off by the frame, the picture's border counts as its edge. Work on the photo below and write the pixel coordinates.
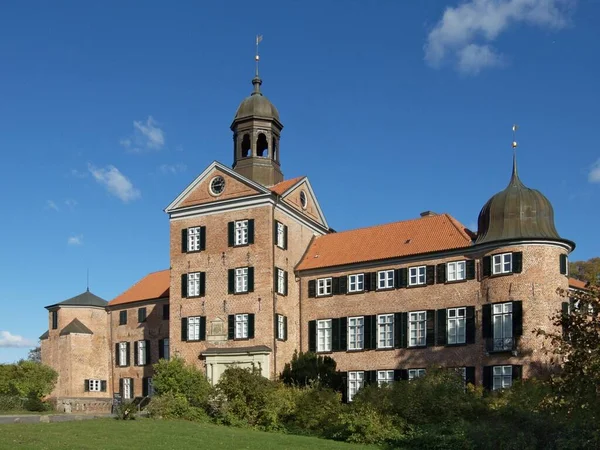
(108, 111)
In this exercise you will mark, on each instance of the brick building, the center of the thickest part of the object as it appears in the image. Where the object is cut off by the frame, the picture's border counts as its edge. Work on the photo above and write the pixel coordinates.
(256, 274)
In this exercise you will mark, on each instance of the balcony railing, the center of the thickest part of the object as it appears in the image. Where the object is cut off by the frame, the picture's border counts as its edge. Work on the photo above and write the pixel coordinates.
(507, 344)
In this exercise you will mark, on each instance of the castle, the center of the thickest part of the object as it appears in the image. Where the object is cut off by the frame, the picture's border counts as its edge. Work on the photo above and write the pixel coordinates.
(256, 273)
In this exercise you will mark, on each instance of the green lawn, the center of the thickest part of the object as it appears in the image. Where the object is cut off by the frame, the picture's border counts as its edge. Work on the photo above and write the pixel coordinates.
(108, 434)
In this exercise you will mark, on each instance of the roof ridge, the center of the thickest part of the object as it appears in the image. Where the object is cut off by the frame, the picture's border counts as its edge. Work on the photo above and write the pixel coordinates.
(455, 223)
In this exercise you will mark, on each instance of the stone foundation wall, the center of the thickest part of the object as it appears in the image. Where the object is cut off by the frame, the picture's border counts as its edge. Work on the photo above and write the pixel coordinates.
(83, 405)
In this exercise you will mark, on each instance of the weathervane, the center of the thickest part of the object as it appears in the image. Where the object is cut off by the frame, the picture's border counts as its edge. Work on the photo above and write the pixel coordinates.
(259, 38)
(514, 143)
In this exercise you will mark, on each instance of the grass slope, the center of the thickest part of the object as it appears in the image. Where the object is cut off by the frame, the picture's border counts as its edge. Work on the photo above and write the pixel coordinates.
(109, 434)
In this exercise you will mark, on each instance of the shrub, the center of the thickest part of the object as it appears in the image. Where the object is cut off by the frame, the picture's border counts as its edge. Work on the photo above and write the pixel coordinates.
(175, 406)
(11, 403)
(25, 377)
(364, 424)
(176, 377)
(308, 368)
(316, 411)
(126, 411)
(34, 403)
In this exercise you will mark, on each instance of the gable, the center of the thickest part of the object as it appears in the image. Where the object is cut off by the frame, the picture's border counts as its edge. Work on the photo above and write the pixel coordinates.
(312, 210)
(198, 192)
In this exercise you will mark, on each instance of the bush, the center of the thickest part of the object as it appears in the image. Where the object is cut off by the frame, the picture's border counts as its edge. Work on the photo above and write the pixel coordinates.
(316, 411)
(34, 403)
(176, 377)
(174, 406)
(25, 377)
(364, 424)
(308, 368)
(126, 411)
(11, 403)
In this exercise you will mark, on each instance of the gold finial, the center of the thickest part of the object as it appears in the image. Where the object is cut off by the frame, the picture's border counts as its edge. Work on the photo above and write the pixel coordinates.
(259, 38)
(514, 143)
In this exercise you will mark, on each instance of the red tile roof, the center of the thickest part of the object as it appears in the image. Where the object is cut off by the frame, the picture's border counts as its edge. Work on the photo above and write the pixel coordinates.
(411, 237)
(154, 285)
(280, 188)
(577, 284)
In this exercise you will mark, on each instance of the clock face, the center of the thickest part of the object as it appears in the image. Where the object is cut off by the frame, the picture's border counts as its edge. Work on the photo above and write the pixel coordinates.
(217, 185)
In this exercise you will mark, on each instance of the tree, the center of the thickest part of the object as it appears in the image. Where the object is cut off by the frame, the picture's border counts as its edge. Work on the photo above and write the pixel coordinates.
(308, 368)
(35, 354)
(176, 377)
(588, 271)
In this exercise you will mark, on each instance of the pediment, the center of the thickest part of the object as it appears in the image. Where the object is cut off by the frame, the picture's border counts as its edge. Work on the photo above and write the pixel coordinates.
(293, 197)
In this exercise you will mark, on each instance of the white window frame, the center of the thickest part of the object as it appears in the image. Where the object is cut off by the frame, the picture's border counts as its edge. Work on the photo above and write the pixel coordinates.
(193, 284)
(417, 328)
(193, 331)
(502, 326)
(324, 287)
(356, 381)
(241, 232)
(456, 326)
(166, 349)
(385, 331)
(141, 348)
(356, 333)
(280, 281)
(385, 279)
(456, 271)
(413, 374)
(280, 234)
(356, 282)
(241, 280)
(280, 327)
(241, 326)
(502, 263)
(417, 275)
(193, 236)
(324, 335)
(501, 377)
(122, 354)
(127, 394)
(385, 377)
(94, 385)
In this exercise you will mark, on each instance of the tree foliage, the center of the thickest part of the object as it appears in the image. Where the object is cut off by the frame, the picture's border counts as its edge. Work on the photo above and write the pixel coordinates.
(308, 368)
(35, 354)
(588, 271)
(177, 377)
(27, 378)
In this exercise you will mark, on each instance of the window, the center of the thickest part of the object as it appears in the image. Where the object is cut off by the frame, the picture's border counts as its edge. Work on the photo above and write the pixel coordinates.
(415, 373)
(94, 385)
(456, 325)
(502, 377)
(417, 328)
(385, 331)
(280, 327)
(385, 279)
(150, 388)
(356, 333)
(54, 319)
(127, 394)
(193, 333)
(241, 280)
(323, 287)
(416, 276)
(193, 235)
(241, 232)
(165, 351)
(356, 283)
(281, 282)
(455, 271)
(141, 315)
(502, 263)
(123, 317)
(502, 322)
(280, 235)
(122, 354)
(324, 335)
(385, 377)
(193, 287)
(241, 326)
(142, 350)
(166, 312)
(303, 200)
(356, 380)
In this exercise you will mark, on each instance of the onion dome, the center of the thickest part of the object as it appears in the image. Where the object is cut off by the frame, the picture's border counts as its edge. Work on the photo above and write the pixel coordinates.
(517, 212)
(256, 105)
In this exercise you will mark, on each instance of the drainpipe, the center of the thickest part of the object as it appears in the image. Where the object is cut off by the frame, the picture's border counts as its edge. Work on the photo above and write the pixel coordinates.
(273, 289)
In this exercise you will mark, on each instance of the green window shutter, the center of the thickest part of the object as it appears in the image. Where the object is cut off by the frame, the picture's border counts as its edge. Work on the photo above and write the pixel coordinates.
(430, 275)
(367, 330)
(517, 372)
(285, 328)
(276, 326)
(402, 277)
(398, 330)
(148, 353)
(117, 355)
(487, 266)
(404, 330)
(470, 375)
(275, 232)
(184, 329)
(517, 262)
(487, 330)
(231, 326)
(335, 286)
(343, 285)
(231, 281)
(136, 361)
(121, 387)
(250, 279)
(203, 328)
(563, 264)
(202, 284)
(184, 240)
(202, 238)
(231, 234)
(397, 375)
(404, 374)
(86, 385)
(132, 388)
(470, 269)
(470, 325)
(367, 281)
(312, 336)
(441, 327)
(344, 376)
(184, 284)
(161, 349)
(343, 334)
(285, 283)
(517, 316)
(250, 326)
(128, 352)
(145, 387)
(275, 276)
(487, 377)
(430, 328)
(312, 288)
(251, 231)
(441, 273)
(102, 385)
(335, 335)
(285, 237)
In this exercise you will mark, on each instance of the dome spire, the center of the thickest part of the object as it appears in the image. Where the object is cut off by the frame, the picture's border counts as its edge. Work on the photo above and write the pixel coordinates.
(256, 81)
(514, 179)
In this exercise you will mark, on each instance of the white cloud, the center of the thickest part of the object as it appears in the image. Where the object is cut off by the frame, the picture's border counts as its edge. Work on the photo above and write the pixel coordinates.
(464, 33)
(147, 135)
(51, 205)
(71, 203)
(75, 240)
(12, 340)
(115, 182)
(594, 175)
(172, 168)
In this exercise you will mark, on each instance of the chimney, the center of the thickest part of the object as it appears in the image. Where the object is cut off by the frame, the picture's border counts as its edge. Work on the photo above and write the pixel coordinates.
(428, 214)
